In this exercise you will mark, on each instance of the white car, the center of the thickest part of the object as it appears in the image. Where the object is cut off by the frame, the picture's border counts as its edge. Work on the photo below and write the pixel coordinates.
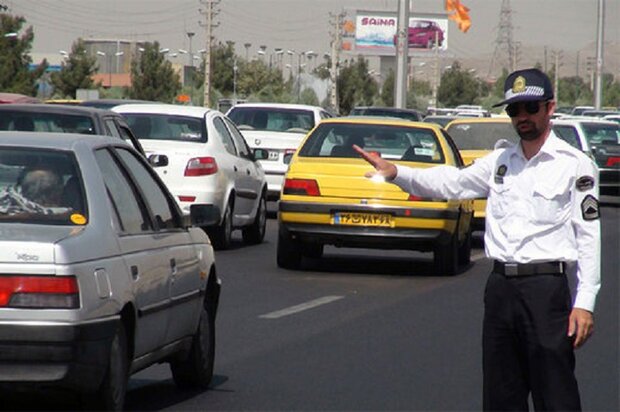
(203, 159)
(279, 128)
(599, 139)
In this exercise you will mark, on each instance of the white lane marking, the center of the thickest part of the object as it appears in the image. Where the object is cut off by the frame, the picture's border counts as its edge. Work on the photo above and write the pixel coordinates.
(301, 307)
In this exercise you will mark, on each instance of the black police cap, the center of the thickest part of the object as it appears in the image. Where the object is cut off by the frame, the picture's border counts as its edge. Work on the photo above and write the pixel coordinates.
(526, 85)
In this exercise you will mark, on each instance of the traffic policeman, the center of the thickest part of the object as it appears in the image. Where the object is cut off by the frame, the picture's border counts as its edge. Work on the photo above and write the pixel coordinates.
(542, 225)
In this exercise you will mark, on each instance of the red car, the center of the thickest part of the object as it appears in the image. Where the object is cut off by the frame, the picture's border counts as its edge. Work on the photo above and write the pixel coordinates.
(424, 34)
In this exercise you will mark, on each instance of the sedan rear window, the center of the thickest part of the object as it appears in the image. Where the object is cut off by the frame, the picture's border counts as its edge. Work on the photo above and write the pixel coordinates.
(272, 119)
(391, 142)
(166, 127)
(45, 122)
(40, 186)
(481, 136)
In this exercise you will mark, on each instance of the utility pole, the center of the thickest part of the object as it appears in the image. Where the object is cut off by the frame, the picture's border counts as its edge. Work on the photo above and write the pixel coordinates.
(402, 50)
(191, 67)
(599, 55)
(209, 14)
(557, 57)
(336, 21)
(504, 40)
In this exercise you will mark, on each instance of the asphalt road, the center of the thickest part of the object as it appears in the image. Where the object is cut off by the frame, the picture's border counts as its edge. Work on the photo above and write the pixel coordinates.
(361, 330)
(365, 330)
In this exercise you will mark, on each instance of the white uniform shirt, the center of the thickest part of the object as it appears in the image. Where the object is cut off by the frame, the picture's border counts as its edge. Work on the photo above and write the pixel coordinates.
(534, 207)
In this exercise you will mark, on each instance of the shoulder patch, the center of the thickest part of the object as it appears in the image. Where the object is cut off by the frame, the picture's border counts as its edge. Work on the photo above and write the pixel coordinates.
(584, 183)
(589, 208)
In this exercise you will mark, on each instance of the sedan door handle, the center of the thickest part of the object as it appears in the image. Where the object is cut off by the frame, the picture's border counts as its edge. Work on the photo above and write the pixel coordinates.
(173, 266)
(134, 272)
(235, 168)
(247, 172)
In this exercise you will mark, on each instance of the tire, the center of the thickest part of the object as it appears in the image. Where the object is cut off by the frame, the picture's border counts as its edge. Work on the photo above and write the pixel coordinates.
(111, 394)
(221, 236)
(312, 250)
(255, 233)
(445, 257)
(196, 370)
(464, 251)
(288, 253)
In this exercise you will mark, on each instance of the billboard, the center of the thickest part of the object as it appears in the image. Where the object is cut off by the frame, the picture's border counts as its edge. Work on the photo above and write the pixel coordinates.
(374, 33)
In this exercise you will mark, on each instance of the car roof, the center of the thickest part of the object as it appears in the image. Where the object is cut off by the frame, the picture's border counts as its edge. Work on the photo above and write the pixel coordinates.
(53, 140)
(393, 109)
(162, 108)
(53, 108)
(278, 105)
(581, 120)
(462, 120)
(374, 120)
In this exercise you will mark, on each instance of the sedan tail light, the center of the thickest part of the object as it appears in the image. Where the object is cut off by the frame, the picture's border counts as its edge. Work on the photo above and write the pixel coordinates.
(307, 187)
(201, 166)
(39, 292)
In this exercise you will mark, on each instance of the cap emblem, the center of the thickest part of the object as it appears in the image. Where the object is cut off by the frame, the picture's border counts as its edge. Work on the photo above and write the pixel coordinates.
(519, 85)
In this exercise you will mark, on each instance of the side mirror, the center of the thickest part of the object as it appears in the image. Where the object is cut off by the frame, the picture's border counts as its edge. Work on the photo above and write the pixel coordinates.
(261, 154)
(204, 215)
(157, 160)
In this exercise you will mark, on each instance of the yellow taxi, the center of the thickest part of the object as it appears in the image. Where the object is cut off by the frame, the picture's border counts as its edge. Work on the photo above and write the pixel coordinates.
(476, 137)
(326, 200)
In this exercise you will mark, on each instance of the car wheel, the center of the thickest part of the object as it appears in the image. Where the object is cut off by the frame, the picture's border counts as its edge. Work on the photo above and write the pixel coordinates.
(445, 257)
(221, 235)
(111, 394)
(464, 252)
(196, 371)
(255, 233)
(312, 250)
(288, 253)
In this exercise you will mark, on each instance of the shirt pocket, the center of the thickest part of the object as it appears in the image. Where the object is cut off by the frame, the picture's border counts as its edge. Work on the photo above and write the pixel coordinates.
(498, 201)
(550, 204)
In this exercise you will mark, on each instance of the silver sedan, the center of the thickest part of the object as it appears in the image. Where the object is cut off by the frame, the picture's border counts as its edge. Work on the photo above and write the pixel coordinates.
(101, 275)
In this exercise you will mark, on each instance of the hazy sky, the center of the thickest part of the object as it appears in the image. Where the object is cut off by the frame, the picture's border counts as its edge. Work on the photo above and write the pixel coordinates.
(302, 24)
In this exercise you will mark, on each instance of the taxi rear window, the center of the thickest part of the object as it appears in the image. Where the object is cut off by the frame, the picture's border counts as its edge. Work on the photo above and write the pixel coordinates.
(391, 142)
(481, 136)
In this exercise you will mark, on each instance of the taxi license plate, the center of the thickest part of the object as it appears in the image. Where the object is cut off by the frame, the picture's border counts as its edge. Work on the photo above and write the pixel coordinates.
(274, 155)
(362, 219)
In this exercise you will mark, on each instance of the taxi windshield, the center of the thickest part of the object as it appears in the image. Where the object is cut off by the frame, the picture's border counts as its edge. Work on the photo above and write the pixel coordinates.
(40, 186)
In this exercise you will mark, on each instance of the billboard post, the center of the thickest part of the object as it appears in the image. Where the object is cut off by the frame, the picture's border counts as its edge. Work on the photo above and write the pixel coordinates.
(402, 46)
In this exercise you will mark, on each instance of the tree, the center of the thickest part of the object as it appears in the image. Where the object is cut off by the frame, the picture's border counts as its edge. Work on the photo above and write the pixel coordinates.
(387, 90)
(457, 87)
(152, 76)
(76, 72)
(355, 86)
(15, 73)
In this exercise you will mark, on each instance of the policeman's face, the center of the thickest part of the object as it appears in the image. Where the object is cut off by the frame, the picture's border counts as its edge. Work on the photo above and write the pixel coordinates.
(531, 119)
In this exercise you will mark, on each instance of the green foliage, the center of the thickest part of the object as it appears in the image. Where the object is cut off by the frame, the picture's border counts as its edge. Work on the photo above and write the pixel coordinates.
(76, 72)
(355, 86)
(15, 76)
(387, 90)
(308, 96)
(152, 76)
(457, 87)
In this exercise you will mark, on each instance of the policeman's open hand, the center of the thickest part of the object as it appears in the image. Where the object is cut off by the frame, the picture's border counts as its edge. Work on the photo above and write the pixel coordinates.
(382, 167)
(580, 325)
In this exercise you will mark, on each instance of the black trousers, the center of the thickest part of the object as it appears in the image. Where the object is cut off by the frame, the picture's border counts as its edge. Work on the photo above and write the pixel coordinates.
(525, 344)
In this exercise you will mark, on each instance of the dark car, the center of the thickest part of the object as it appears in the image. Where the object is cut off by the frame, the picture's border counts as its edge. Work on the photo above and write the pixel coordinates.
(407, 114)
(110, 103)
(66, 119)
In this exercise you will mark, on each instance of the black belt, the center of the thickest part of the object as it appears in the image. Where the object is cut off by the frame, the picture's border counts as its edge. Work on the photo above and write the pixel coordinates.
(526, 269)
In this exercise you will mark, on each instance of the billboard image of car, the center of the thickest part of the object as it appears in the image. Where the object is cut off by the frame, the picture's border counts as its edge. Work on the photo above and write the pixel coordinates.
(375, 33)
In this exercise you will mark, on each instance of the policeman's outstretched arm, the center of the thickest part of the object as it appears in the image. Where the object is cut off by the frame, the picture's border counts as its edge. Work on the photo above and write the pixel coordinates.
(382, 167)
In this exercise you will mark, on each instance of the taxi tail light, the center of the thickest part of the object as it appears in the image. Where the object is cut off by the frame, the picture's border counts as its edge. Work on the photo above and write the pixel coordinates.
(39, 292)
(611, 161)
(414, 198)
(307, 187)
(201, 166)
